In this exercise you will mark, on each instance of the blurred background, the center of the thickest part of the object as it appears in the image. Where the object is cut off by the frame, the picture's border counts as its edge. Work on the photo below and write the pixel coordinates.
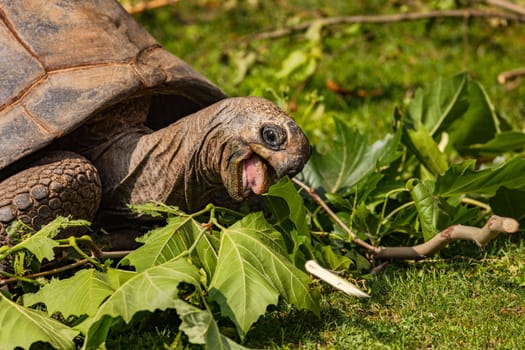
(357, 71)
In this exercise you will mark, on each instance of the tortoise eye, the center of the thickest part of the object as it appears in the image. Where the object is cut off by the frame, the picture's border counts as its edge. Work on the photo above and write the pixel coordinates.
(273, 136)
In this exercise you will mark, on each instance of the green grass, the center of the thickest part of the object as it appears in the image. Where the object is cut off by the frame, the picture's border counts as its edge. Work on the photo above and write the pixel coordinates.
(472, 302)
(467, 302)
(392, 58)
(459, 303)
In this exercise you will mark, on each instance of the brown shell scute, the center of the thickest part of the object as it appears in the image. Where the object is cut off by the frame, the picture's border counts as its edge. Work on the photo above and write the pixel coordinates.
(28, 69)
(63, 62)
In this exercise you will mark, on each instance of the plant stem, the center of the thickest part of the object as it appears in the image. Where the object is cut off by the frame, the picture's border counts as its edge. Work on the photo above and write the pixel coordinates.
(329, 211)
(481, 236)
(45, 273)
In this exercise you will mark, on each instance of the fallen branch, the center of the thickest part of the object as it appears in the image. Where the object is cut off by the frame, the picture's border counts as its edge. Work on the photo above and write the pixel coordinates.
(481, 236)
(415, 16)
(507, 5)
(510, 75)
(147, 5)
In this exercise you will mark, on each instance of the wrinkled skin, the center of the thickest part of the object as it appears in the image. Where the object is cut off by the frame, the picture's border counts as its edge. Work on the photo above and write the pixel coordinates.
(225, 153)
(235, 147)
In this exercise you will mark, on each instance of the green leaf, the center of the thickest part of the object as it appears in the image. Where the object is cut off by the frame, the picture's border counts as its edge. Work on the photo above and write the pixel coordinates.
(458, 106)
(201, 328)
(349, 160)
(435, 106)
(426, 150)
(165, 243)
(293, 212)
(156, 209)
(41, 244)
(21, 327)
(478, 124)
(433, 211)
(463, 179)
(152, 289)
(295, 60)
(252, 270)
(78, 295)
(297, 213)
(332, 260)
(508, 141)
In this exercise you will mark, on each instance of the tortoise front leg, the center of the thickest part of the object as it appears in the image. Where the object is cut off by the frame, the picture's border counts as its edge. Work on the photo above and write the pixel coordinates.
(60, 184)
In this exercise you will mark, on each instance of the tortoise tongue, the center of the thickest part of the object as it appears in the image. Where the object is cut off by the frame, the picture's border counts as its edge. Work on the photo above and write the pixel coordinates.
(254, 176)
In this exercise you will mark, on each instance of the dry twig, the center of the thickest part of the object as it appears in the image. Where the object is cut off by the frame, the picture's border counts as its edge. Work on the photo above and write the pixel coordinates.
(507, 5)
(481, 236)
(415, 16)
(147, 5)
(511, 78)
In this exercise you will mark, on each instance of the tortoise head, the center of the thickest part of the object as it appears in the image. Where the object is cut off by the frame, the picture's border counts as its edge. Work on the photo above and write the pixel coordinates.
(260, 144)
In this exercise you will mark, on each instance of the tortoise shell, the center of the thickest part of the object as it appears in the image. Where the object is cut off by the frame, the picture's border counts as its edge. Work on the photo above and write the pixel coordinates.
(63, 61)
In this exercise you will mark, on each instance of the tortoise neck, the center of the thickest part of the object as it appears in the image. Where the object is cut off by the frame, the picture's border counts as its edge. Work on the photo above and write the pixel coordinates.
(182, 162)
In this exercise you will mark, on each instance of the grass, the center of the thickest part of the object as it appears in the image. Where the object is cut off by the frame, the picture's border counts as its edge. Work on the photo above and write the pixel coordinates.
(458, 303)
(474, 301)
(471, 302)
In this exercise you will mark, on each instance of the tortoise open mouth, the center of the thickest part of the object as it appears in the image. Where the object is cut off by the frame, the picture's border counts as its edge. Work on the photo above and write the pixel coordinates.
(256, 176)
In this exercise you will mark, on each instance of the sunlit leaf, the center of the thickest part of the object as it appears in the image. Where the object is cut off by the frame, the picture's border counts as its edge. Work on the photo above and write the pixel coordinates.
(464, 179)
(21, 327)
(426, 150)
(293, 211)
(41, 244)
(152, 289)
(478, 124)
(167, 242)
(253, 270)
(294, 61)
(78, 295)
(350, 159)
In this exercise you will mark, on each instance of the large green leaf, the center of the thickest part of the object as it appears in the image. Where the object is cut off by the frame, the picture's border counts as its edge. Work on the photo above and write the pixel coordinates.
(154, 288)
(21, 327)
(464, 179)
(252, 270)
(508, 141)
(78, 295)
(477, 125)
(167, 242)
(458, 106)
(349, 160)
(436, 105)
(201, 328)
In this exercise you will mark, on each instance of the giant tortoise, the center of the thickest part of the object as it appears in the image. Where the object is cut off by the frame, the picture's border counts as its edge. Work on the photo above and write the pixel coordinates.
(96, 115)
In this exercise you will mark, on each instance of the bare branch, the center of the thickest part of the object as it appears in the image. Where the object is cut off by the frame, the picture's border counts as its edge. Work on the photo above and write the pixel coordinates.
(511, 75)
(147, 5)
(481, 236)
(507, 5)
(414, 16)
(329, 211)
